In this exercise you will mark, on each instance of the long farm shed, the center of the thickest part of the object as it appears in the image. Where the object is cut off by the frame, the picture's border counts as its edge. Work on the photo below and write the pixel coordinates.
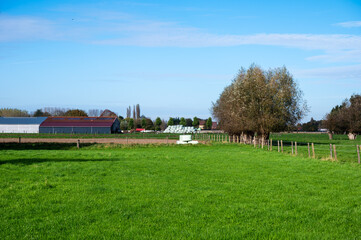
(76, 125)
(20, 124)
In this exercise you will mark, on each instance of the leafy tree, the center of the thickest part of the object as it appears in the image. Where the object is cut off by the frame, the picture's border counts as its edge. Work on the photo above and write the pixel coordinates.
(75, 113)
(182, 121)
(149, 125)
(13, 112)
(311, 126)
(40, 113)
(138, 123)
(131, 124)
(124, 124)
(157, 124)
(258, 102)
(345, 118)
(195, 122)
(209, 123)
(189, 122)
(170, 122)
(144, 122)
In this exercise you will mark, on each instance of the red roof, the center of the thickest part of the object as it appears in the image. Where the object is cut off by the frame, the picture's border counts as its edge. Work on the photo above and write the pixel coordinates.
(139, 129)
(78, 122)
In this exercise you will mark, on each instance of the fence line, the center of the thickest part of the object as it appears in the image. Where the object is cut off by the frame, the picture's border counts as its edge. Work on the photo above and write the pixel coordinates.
(325, 151)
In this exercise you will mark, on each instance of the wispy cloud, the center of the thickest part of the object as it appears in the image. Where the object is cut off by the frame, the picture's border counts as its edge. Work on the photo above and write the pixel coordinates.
(116, 28)
(24, 28)
(352, 72)
(349, 24)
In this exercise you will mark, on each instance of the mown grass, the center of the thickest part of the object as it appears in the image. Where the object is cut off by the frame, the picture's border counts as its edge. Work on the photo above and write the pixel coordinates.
(214, 191)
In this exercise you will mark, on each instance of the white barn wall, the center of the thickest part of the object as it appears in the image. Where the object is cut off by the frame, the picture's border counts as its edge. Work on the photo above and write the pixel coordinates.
(19, 128)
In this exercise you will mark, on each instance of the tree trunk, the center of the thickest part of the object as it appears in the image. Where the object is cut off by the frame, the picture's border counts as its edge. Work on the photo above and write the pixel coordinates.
(330, 135)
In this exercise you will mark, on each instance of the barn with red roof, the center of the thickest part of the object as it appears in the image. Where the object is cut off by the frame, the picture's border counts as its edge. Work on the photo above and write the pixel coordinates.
(82, 125)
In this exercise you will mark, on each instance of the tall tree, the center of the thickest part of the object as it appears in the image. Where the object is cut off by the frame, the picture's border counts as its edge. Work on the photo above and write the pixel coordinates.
(345, 118)
(144, 122)
(189, 122)
(157, 123)
(170, 122)
(129, 110)
(138, 111)
(134, 113)
(258, 102)
(209, 123)
(131, 124)
(182, 121)
(195, 122)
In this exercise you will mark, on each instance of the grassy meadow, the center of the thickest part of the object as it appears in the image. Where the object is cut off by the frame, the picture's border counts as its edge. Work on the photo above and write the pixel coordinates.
(213, 191)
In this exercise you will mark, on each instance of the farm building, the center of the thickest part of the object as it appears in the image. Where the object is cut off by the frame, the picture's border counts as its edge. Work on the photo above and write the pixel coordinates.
(20, 124)
(91, 125)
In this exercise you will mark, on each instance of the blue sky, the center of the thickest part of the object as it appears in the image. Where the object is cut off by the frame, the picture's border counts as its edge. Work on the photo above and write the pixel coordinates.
(173, 58)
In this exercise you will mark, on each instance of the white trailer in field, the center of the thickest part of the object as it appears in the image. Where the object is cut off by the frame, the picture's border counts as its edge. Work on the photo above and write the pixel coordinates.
(20, 124)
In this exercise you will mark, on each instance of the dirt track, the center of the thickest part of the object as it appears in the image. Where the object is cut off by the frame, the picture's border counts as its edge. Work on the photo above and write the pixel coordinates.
(88, 140)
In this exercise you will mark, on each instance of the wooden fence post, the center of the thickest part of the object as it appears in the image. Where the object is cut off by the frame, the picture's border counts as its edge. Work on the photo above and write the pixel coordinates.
(334, 152)
(278, 145)
(308, 148)
(358, 154)
(282, 146)
(19, 139)
(313, 151)
(262, 142)
(254, 141)
(271, 145)
(292, 147)
(331, 151)
(78, 144)
(296, 148)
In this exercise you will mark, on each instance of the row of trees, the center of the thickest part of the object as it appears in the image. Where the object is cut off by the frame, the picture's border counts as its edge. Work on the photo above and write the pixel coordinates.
(46, 112)
(345, 118)
(187, 122)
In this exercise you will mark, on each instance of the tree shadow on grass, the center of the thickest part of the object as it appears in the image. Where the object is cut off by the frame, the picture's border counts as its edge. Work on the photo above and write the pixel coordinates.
(29, 161)
(42, 146)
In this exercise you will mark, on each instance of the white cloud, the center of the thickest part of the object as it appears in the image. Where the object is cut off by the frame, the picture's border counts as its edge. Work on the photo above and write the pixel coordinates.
(352, 72)
(25, 28)
(113, 28)
(349, 24)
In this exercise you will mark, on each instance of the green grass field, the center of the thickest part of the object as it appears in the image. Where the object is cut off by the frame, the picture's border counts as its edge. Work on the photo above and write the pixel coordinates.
(215, 191)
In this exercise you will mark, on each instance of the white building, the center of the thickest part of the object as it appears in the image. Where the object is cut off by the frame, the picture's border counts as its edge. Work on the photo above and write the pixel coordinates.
(20, 124)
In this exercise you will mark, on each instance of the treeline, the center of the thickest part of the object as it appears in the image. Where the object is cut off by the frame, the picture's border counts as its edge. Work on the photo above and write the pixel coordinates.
(48, 112)
(345, 118)
(132, 121)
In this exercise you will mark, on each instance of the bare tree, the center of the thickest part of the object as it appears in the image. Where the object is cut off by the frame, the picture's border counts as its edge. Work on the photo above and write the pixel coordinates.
(138, 111)
(129, 110)
(94, 112)
(134, 112)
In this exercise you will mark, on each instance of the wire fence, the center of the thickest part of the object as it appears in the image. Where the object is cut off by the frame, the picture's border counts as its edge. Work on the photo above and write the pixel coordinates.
(324, 151)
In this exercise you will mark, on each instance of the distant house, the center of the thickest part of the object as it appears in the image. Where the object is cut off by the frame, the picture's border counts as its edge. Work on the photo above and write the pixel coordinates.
(82, 125)
(20, 124)
(202, 125)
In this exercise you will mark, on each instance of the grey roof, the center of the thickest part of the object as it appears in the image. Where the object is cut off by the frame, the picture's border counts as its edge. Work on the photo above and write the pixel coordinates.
(22, 120)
